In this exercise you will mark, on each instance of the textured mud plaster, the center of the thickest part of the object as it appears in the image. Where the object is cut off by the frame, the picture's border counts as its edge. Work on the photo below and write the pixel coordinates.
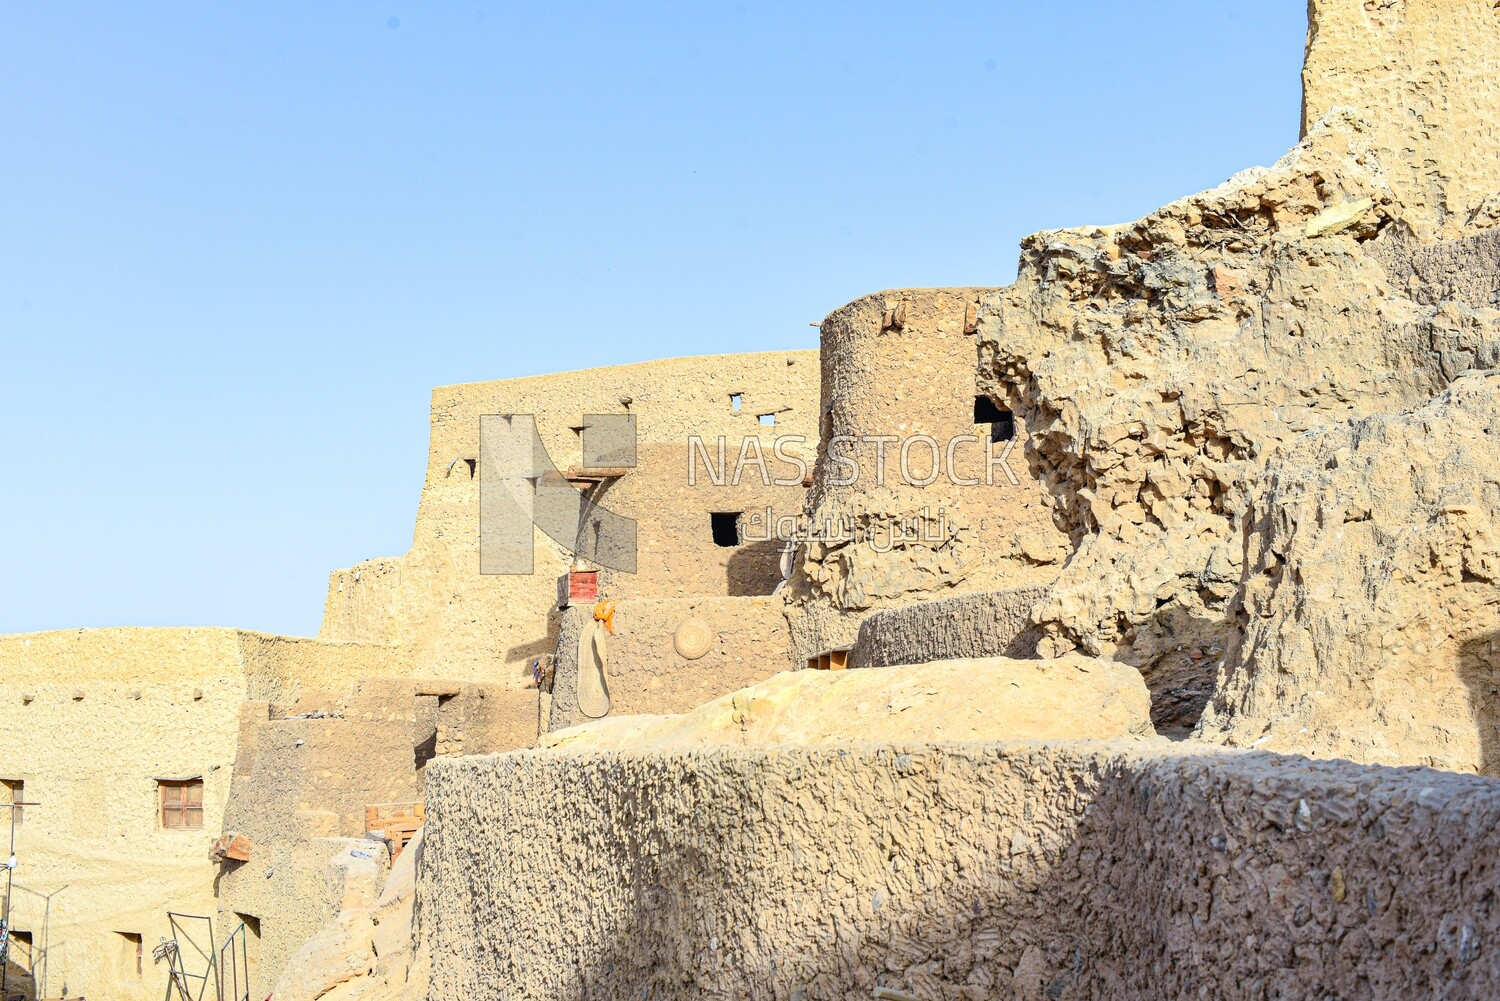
(646, 676)
(898, 366)
(958, 871)
(1371, 625)
(981, 699)
(365, 953)
(342, 952)
(988, 624)
(1157, 363)
(1465, 270)
(464, 625)
(1426, 74)
(300, 787)
(672, 495)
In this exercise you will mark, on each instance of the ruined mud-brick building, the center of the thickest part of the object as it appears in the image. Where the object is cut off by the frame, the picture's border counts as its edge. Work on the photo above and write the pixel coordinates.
(237, 777)
(1162, 662)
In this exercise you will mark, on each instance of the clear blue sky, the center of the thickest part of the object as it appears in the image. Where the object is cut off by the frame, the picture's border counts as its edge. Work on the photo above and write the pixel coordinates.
(240, 243)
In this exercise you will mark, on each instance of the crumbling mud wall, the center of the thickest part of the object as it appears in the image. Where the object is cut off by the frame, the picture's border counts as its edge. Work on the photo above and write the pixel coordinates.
(961, 515)
(301, 785)
(968, 871)
(460, 624)
(365, 953)
(1464, 270)
(1156, 364)
(1368, 614)
(1423, 73)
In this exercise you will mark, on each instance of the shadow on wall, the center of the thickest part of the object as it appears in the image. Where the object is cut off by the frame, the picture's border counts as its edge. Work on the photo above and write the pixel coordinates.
(19, 984)
(424, 730)
(1479, 668)
(978, 880)
(754, 569)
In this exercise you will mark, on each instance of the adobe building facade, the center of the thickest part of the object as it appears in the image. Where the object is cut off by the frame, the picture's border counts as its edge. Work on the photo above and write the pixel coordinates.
(434, 601)
(282, 744)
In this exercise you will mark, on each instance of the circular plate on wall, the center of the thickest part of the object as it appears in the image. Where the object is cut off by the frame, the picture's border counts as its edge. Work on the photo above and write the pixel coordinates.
(693, 639)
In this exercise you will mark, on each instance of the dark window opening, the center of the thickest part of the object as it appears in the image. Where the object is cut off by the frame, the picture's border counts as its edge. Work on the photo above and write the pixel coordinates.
(726, 528)
(1002, 422)
(252, 923)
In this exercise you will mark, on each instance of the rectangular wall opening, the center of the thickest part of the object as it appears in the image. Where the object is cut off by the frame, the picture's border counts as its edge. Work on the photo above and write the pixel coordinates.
(425, 728)
(1001, 421)
(132, 953)
(736, 400)
(726, 528)
(832, 660)
(767, 420)
(243, 969)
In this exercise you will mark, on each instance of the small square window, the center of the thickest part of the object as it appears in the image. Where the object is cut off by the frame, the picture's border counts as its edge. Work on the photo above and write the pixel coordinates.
(726, 528)
(1002, 422)
(768, 420)
(181, 804)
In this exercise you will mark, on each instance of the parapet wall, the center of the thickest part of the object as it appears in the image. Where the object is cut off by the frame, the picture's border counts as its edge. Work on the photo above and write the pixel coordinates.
(987, 624)
(1073, 870)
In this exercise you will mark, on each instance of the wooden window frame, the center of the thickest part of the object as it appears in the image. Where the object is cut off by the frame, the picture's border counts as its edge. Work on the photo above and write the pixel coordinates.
(179, 804)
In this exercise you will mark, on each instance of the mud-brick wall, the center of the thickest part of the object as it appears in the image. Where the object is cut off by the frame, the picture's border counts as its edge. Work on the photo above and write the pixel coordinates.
(646, 676)
(300, 789)
(955, 872)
